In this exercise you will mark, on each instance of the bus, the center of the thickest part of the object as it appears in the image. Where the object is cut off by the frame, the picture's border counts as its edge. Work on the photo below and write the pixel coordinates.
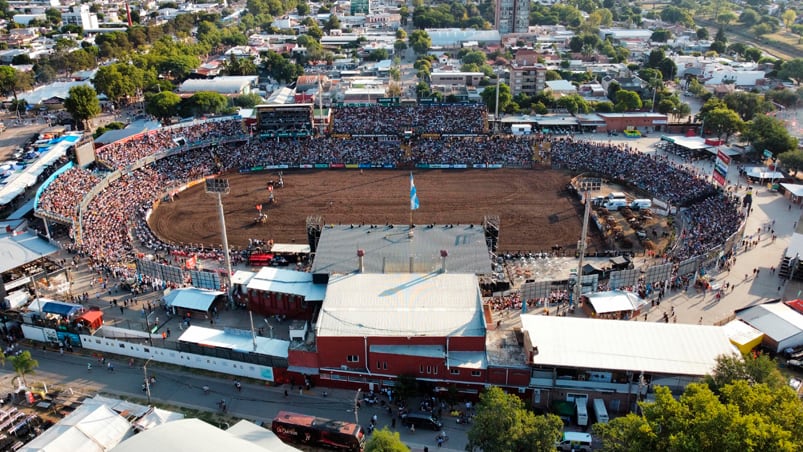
(302, 429)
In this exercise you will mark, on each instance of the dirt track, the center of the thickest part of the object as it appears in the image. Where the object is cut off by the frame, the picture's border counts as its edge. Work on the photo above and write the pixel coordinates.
(534, 212)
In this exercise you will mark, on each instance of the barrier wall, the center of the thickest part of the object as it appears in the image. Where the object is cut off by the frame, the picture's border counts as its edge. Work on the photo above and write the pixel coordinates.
(159, 354)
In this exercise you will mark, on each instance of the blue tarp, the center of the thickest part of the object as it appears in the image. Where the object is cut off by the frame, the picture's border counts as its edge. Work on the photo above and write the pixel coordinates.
(62, 309)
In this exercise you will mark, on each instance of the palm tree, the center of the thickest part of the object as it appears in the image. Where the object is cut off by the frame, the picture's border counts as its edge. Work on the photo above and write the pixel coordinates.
(24, 364)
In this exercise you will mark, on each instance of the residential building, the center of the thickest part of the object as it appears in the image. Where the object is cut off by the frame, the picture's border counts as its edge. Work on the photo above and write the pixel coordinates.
(512, 16)
(527, 76)
(360, 7)
(82, 17)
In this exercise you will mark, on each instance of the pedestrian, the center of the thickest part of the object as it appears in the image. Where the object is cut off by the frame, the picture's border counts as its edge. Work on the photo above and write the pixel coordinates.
(110, 367)
(285, 393)
(393, 423)
(122, 310)
(238, 386)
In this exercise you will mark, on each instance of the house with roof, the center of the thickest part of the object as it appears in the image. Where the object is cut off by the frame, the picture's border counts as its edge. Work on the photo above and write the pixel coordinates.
(781, 323)
(559, 88)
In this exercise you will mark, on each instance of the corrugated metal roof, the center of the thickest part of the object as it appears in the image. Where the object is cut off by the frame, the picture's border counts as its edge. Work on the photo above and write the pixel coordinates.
(239, 342)
(388, 249)
(272, 279)
(402, 304)
(664, 348)
(776, 320)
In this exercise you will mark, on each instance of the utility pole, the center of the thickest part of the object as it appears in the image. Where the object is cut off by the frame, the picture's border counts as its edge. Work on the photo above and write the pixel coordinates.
(357, 406)
(147, 381)
(581, 248)
(496, 112)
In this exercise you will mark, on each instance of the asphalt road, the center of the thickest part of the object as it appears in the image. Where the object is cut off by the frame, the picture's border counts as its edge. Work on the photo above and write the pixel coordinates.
(183, 388)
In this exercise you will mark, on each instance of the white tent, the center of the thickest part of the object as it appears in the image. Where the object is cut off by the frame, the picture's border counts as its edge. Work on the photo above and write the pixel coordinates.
(89, 428)
(794, 189)
(762, 172)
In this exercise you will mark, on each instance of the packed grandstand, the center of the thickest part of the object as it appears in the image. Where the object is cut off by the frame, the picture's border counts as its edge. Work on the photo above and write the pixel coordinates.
(138, 170)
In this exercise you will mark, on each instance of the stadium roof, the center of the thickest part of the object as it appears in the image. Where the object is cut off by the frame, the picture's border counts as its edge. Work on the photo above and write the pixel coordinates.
(389, 249)
(664, 348)
(20, 180)
(271, 279)
(402, 304)
(21, 248)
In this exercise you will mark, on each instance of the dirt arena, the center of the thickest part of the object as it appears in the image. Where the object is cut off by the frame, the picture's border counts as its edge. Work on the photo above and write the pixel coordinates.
(534, 211)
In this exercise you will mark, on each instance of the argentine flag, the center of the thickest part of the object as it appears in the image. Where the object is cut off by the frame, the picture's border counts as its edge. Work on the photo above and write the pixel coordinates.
(413, 194)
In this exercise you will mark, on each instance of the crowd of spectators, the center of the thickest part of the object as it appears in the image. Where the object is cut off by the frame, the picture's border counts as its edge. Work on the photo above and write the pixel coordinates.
(395, 120)
(125, 152)
(116, 217)
(64, 194)
(708, 224)
(514, 151)
(300, 151)
(654, 174)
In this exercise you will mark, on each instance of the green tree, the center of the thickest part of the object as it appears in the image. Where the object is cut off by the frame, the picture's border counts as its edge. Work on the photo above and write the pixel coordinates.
(749, 17)
(385, 441)
(760, 369)
(23, 364)
(747, 104)
(744, 417)
(702, 33)
(13, 81)
(163, 105)
(723, 121)
(420, 41)
(766, 132)
(793, 70)
(247, 100)
(119, 81)
(502, 424)
(54, 16)
(204, 102)
(785, 97)
(488, 96)
(82, 103)
(788, 17)
(792, 160)
(627, 100)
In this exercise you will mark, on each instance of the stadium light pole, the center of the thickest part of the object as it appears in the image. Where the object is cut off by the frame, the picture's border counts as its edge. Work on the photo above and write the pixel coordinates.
(220, 187)
(581, 249)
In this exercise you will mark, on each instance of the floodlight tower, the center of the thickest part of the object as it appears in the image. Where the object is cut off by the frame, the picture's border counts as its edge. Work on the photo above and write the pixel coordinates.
(581, 246)
(220, 187)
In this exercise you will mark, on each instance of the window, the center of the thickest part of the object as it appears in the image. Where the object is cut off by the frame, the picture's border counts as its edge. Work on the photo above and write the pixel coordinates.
(382, 365)
(353, 358)
(421, 369)
(454, 371)
(476, 373)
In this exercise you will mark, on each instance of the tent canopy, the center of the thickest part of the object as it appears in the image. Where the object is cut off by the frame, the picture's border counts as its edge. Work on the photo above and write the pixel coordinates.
(192, 298)
(93, 318)
(794, 189)
(62, 309)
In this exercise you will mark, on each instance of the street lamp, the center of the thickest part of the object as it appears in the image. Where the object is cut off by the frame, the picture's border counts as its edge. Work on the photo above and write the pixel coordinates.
(221, 187)
(357, 406)
(147, 382)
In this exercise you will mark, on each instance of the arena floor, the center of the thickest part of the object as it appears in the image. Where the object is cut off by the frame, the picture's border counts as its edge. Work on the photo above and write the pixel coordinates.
(534, 211)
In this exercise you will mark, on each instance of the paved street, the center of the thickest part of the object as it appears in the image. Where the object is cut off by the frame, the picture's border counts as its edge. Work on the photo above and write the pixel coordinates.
(183, 388)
